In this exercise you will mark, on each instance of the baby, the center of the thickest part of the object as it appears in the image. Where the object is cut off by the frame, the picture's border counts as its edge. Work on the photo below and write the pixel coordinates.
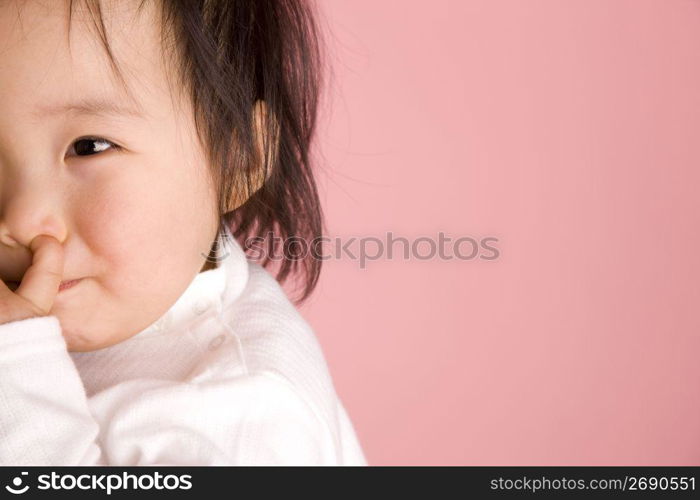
(140, 141)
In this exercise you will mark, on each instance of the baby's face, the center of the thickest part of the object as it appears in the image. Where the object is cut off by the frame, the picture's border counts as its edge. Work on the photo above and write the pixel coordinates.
(135, 223)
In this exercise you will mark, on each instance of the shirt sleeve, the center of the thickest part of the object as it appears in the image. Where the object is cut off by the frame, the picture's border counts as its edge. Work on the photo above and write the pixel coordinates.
(44, 413)
(279, 427)
(351, 450)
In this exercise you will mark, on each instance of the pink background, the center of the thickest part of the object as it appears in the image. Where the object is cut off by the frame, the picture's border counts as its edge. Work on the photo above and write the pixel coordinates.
(570, 130)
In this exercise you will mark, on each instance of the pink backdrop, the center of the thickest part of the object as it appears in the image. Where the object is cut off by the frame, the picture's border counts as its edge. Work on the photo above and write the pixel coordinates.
(569, 130)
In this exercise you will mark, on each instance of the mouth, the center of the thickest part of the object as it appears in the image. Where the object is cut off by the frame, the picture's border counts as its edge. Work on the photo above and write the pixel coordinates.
(65, 285)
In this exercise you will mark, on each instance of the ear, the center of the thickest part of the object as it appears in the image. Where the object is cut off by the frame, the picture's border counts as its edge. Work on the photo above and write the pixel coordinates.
(263, 139)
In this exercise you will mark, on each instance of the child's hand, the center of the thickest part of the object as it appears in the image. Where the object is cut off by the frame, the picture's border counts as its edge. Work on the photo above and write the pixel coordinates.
(35, 295)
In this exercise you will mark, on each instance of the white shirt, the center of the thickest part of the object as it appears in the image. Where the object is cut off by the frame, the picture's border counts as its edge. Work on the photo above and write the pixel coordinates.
(230, 375)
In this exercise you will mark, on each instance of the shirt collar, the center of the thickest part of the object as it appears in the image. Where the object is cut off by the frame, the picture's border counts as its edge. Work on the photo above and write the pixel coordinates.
(209, 290)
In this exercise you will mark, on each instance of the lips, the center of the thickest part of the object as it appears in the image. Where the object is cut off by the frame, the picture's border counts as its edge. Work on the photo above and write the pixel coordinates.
(65, 285)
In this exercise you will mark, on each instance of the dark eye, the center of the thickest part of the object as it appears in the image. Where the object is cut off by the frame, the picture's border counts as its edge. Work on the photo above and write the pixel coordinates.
(88, 146)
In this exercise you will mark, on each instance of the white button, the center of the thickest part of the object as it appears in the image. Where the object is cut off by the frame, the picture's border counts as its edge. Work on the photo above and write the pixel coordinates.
(216, 342)
(157, 326)
(200, 306)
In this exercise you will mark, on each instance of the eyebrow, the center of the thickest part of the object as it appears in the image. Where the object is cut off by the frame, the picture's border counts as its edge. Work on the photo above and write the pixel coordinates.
(88, 106)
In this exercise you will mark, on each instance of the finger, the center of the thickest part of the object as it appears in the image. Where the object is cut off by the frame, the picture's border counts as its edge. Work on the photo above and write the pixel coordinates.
(42, 279)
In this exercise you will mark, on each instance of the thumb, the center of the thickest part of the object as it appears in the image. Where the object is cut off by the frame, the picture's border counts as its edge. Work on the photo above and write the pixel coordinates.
(41, 281)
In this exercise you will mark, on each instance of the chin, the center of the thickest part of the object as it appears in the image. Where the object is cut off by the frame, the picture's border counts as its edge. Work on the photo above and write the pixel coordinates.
(80, 344)
(78, 340)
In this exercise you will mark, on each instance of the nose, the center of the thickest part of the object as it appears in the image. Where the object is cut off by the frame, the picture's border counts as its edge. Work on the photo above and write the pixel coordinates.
(29, 212)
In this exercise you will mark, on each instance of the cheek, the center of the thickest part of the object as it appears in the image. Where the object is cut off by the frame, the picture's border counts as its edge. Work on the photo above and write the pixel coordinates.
(148, 226)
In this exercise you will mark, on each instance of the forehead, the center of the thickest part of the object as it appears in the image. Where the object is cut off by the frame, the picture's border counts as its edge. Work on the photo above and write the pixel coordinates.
(47, 68)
